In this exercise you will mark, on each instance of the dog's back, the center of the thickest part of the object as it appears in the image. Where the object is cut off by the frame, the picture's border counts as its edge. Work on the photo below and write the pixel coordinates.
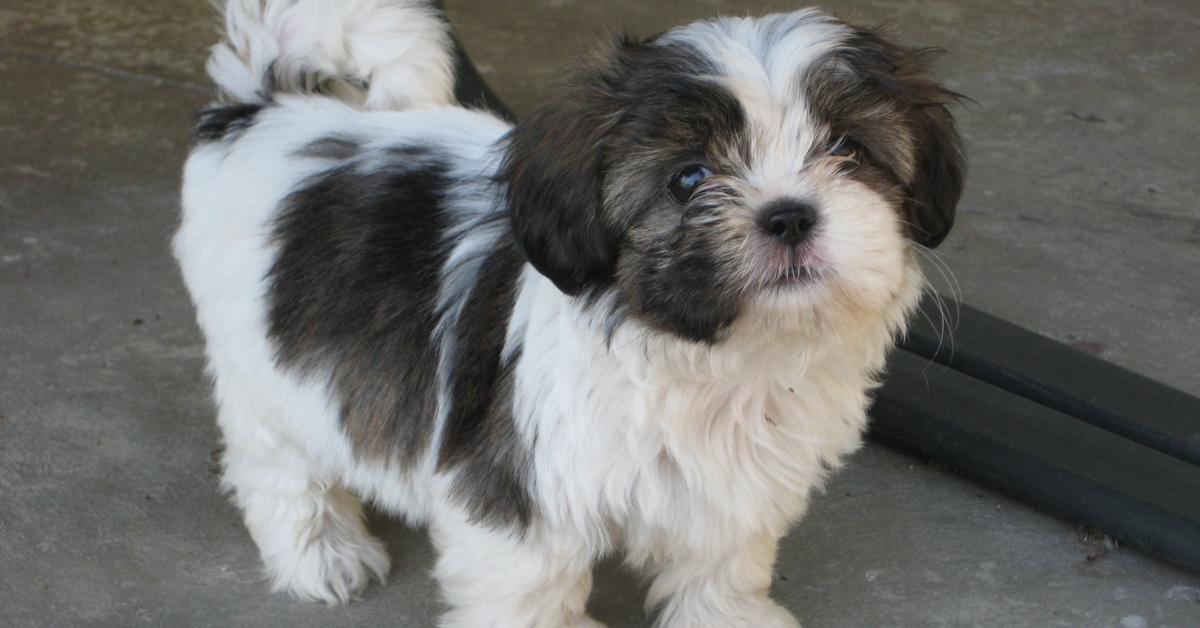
(313, 240)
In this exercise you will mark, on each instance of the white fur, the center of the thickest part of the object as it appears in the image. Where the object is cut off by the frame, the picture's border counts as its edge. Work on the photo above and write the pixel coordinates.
(693, 460)
(401, 48)
(282, 438)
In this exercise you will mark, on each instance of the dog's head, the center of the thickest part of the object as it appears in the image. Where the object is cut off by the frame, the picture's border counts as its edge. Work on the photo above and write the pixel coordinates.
(738, 167)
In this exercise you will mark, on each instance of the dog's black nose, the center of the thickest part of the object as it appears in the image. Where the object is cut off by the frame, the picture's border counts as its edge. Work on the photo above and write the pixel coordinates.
(789, 221)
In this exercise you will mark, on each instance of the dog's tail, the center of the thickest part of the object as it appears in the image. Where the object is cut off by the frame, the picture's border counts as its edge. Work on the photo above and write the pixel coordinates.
(377, 54)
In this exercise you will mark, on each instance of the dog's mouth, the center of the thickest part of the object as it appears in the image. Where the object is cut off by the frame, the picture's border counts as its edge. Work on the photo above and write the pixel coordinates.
(794, 276)
(794, 269)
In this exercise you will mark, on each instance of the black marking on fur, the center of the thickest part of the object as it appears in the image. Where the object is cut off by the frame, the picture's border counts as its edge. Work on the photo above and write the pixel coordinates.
(557, 159)
(408, 151)
(645, 104)
(677, 287)
(285, 78)
(334, 147)
(480, 435)
(671, 272)
(221, 122)
(352, 294)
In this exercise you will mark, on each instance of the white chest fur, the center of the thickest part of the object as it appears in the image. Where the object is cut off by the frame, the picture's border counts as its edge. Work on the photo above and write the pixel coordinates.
(656, 444)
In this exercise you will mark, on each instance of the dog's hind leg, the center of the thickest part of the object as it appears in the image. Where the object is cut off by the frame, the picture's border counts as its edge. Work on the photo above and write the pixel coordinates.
(308, 528)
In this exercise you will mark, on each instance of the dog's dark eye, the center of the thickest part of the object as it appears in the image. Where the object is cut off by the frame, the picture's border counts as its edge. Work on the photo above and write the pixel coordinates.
(847, 149)
(685, 182)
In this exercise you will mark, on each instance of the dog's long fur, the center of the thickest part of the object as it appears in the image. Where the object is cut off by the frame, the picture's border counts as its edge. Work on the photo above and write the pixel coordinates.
(517, 336)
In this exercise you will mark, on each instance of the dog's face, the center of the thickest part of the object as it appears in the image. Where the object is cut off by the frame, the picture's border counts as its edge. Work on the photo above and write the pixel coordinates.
(780, 167)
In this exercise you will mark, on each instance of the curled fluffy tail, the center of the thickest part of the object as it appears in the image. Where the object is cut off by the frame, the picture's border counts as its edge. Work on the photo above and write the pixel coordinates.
(378, 54)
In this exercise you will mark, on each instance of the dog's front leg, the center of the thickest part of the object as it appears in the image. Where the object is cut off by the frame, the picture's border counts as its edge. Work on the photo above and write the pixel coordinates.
(725, 587)
(511, 577)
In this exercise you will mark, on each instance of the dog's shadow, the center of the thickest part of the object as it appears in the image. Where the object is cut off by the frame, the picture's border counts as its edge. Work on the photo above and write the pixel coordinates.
(617, 594)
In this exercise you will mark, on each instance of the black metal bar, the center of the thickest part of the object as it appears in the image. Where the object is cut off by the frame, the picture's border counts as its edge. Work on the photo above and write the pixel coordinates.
(1059, 377)
(1143, 497)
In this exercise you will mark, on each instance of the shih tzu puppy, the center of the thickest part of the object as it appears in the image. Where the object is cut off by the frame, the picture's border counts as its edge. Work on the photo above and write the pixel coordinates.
(646, 319)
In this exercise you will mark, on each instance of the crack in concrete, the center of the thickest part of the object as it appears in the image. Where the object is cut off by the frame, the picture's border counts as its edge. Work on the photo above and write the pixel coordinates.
(105, 70)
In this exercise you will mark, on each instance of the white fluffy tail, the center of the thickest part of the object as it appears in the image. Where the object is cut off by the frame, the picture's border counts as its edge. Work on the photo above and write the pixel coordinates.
(378, 54)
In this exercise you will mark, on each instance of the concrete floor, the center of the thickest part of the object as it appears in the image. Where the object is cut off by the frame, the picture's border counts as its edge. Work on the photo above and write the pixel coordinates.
(1081, 221)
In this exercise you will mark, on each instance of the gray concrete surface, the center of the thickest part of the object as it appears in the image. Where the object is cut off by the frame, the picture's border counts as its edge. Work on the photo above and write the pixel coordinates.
(1081, 221)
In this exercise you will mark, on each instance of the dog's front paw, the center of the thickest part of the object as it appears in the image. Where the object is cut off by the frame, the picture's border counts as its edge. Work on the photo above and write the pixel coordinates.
(740, 613)
(500, 618)
(332, 566)
(772, 615)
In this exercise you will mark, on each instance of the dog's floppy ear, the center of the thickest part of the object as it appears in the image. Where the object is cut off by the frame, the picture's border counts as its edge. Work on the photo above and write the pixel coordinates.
(939, 165)
(937, 181)
(553, 170)
(934, 182)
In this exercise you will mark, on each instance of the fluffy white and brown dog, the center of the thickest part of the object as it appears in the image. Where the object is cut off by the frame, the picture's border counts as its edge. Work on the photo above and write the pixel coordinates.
(647, 319)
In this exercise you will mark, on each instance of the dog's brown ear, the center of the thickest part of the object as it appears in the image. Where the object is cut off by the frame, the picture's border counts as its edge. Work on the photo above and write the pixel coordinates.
(553, 171)
(937, 181)
(940, 166)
